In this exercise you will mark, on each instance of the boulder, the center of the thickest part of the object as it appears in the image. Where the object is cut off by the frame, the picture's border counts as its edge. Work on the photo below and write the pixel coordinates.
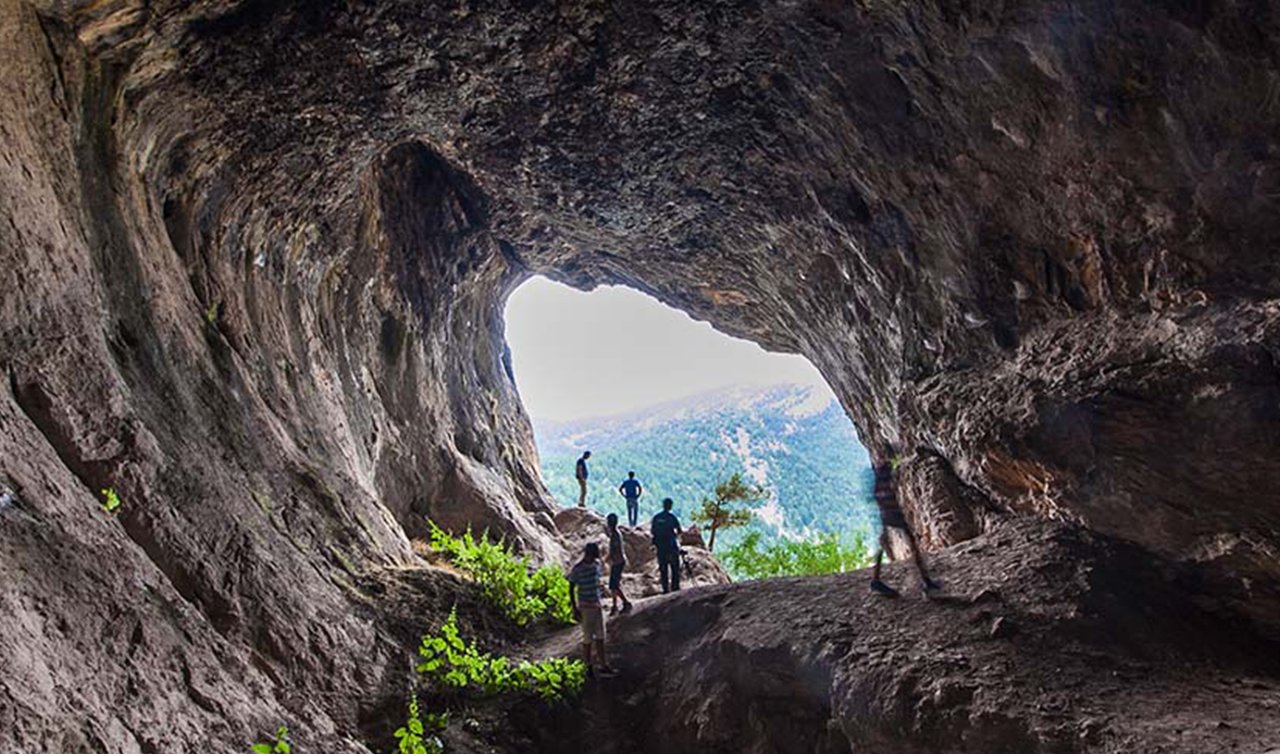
(640, 579)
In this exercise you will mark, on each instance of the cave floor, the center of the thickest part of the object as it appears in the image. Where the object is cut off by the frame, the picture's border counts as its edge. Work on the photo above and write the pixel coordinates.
(1046, 638)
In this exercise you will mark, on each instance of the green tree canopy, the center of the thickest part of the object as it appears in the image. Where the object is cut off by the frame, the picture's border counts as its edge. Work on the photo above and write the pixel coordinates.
(750, 559)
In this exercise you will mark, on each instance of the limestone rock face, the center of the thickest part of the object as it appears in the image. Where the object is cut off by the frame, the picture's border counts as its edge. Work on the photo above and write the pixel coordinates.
(253, 257)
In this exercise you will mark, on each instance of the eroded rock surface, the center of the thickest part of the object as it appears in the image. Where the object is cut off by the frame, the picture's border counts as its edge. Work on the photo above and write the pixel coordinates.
(1045, 639)
(253, 256)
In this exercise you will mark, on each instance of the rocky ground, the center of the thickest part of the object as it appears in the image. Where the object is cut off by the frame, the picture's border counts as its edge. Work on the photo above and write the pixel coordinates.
(1046, 639)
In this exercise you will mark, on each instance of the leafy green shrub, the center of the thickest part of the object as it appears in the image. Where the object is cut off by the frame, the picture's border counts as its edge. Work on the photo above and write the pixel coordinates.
(553, 679)
(748, 560)
(505, 579)
(455, 663)
(414, 737)
(110, 500)
(552, 587)
(279, 746)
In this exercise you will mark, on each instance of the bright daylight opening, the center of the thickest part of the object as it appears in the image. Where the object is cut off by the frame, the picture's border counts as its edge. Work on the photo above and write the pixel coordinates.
(647, 389)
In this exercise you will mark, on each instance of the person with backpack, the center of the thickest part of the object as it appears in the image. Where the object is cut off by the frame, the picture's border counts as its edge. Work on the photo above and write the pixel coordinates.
(631, 489)
(892, 517)
(580, 472)
(617, 561)
(665, 531)
(584, 596)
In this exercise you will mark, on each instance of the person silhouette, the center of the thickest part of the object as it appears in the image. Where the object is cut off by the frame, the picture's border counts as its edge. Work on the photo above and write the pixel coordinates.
(631, 489)
(892, 517)
(617, 562)
(580, 471)
(664, 531)
(584, 597)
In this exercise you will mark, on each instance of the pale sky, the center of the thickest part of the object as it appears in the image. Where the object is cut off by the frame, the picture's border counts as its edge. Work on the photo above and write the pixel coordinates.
(615, 350)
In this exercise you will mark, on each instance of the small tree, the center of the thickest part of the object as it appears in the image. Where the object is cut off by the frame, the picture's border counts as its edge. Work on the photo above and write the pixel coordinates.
(722, 512)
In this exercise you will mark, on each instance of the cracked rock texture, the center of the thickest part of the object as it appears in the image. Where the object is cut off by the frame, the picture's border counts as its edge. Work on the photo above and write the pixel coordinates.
(1048, 639)
(253, 256)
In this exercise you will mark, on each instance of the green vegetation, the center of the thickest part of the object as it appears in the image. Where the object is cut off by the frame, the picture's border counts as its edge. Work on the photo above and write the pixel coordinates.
(455, 663)
(279, 746)
(722, 511)
(749, 560)
(809, 456)
(414, 737)
(508, 581)
(110, 500)
(524, 595)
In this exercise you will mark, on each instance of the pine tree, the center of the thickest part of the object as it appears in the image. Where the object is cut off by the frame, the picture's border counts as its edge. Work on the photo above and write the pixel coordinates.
(723, 512)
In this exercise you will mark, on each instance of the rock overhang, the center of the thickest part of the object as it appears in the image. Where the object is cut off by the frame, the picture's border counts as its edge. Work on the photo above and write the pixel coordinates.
(899, 194)
(907, 196)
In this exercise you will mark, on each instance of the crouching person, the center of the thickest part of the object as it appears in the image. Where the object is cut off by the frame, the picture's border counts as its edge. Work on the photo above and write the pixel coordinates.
(584, 595)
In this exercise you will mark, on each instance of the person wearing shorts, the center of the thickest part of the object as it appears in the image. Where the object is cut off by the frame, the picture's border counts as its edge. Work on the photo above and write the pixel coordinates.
(584, 596)
(892, 517)
(617, 562)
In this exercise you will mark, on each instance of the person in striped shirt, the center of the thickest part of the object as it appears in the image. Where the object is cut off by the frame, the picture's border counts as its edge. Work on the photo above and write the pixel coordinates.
(584, 595)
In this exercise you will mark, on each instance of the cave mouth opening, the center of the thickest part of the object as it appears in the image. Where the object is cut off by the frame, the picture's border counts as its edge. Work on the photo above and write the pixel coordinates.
(646, 388)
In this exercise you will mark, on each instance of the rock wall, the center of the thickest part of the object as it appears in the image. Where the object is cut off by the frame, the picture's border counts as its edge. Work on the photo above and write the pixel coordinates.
(254, 253)
(274, 425)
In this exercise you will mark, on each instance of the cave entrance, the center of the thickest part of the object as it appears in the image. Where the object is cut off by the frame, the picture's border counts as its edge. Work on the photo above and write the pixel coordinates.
(644, 387)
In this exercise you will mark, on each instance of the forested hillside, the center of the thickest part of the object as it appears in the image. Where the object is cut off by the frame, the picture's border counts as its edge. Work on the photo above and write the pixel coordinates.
(790, 438)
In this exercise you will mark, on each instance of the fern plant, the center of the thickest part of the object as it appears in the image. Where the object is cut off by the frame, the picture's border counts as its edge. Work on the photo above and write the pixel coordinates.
(450, 660)
(280, 745)
(505, 579)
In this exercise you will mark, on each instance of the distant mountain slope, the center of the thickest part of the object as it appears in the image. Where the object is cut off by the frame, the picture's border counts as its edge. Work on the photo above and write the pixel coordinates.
(791, 438)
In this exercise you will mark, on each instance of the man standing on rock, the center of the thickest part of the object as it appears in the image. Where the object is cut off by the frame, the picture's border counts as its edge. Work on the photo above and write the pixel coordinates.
(892, 517)
(617, 561)
(580, 471)
(584, 596)
(632, 490)
(664, 530)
